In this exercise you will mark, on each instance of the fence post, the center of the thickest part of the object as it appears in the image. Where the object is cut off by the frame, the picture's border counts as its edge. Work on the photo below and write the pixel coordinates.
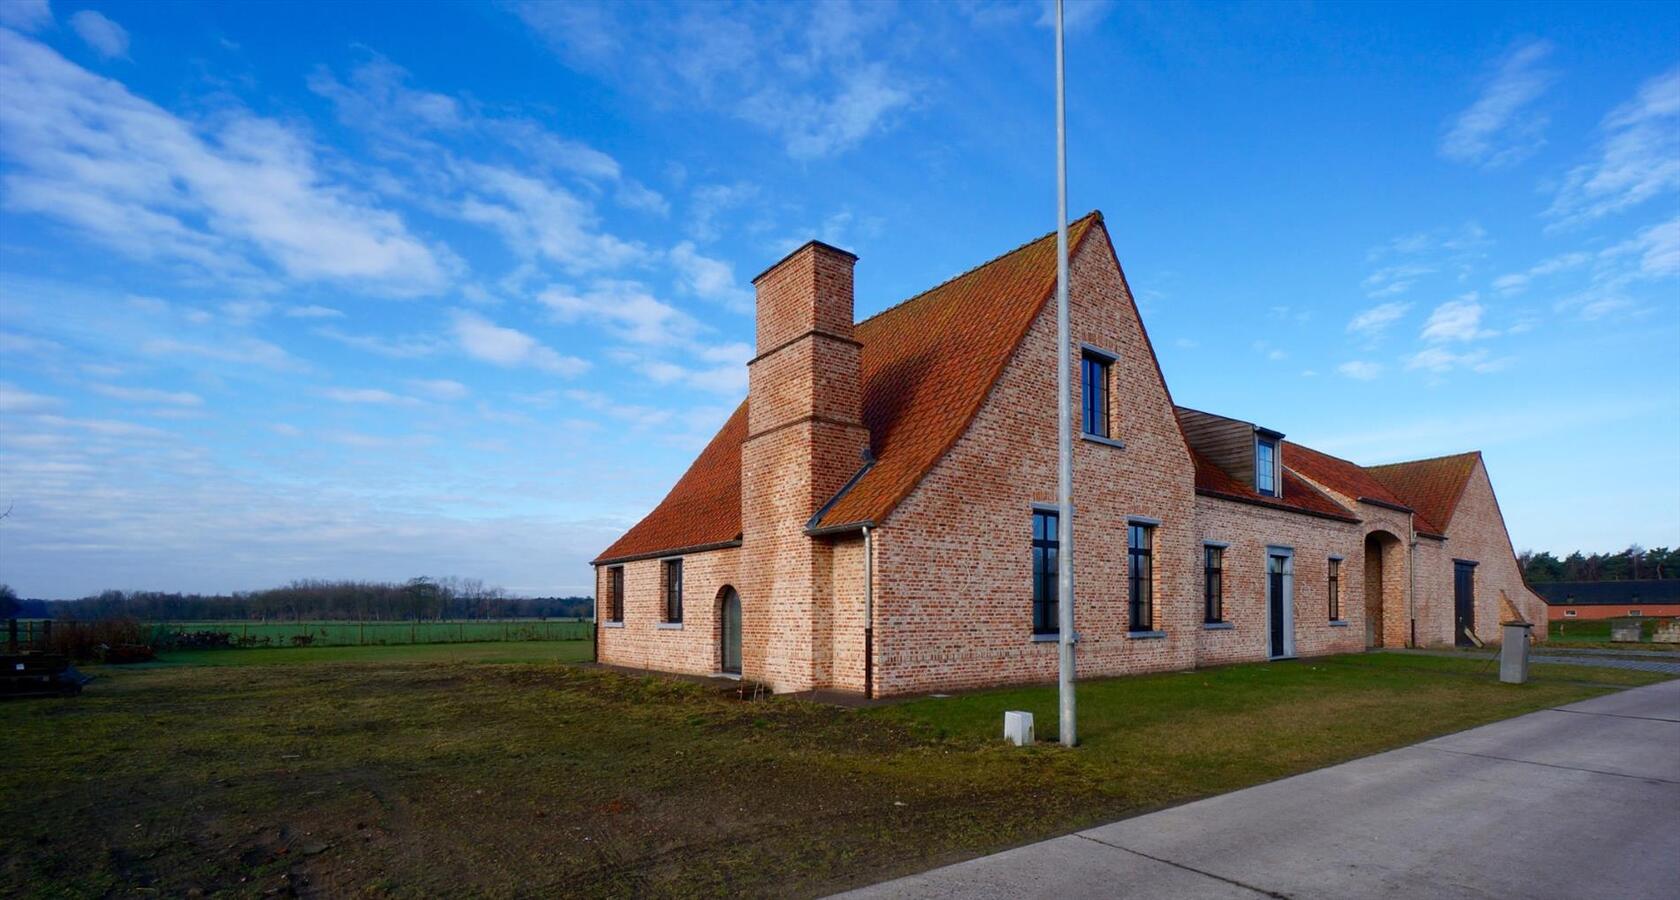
(46, 635)
(11, 635)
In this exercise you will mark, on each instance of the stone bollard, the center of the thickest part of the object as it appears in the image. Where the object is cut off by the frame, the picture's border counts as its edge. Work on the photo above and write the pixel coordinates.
(1513, 653)
(1018, 728)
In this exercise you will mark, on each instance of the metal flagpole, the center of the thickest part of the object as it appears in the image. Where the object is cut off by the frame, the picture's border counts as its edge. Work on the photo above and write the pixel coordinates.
(1064, 417)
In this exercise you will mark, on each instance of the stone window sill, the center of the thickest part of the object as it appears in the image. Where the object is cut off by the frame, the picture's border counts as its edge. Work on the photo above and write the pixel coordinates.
(1217, 626)
(1338, 623)
(1145, 635)
(670, 626)
(1105, 441)
(618, 624)
(1052, 638)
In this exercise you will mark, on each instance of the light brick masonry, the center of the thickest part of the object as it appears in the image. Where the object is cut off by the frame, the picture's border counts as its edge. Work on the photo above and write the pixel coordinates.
(949, 577)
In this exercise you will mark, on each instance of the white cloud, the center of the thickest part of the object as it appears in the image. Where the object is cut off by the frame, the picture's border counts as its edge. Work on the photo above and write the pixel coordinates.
(1516, 282)
(1077, 15)
(1499, 128)
(710, 201)
(1360, 370)
(15, 399)
(368, 396)
(131, 176)
(243, 311)
(440, 388)
(1377, 319)
(103, 427)
(400, 347)
(1441, 361)
(626, 309)
(243, 351)
(1396, 279)
(1638, 157)
(484, 340)
(538, 218)
(1456, 320)
(820, 79)
(711, 279)
(25, 15)
(148, 395)
(313, 312)
(106, 37)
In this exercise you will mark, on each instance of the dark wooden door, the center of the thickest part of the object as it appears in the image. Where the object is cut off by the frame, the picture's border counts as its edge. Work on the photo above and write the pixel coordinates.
(732, 632)
(1275, 567)
(1464, 602)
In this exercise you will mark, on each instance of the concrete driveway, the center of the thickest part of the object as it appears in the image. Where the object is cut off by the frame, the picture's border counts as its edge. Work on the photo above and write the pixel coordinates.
(1579, 801)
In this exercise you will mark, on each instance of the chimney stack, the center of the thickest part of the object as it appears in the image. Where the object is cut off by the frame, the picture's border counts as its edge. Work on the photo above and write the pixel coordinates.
(805, 440)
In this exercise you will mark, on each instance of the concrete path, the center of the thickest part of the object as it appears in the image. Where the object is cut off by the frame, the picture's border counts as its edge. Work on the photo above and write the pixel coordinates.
(1582, 801)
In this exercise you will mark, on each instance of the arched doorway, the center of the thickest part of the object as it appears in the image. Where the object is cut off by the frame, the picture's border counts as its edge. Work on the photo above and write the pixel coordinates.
(1385, 579)
(729, 631)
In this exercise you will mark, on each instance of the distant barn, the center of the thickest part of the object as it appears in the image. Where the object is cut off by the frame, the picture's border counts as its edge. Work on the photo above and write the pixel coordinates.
(1610, 599)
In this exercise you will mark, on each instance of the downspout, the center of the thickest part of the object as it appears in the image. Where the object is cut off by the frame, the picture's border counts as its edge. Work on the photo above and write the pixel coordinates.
(868, 612)
(1411, 588)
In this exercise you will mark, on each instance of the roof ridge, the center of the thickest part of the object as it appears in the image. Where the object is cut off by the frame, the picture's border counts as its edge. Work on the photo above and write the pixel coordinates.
(1413, 462)
(1095, 213)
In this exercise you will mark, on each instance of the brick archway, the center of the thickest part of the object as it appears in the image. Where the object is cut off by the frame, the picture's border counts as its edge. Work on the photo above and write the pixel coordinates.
(1385, 590)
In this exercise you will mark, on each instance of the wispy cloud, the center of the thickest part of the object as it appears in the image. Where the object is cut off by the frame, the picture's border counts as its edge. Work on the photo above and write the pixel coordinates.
(710, 279)
(313, 312)
(626, 308)
(1456, 320)
(1500, 127)
(106, 37)
(1374, 321)
(368, 396)
(14, 399)
(1638, 157)
(399, 347)
(1361, 370)
(1441, 361)
(130, 175)
(486, 341)
(822, 79)
(147, 395)
(25, 15)
(1516, 282)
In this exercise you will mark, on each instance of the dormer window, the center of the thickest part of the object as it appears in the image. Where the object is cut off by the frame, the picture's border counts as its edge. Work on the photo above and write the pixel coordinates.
(1265, 467)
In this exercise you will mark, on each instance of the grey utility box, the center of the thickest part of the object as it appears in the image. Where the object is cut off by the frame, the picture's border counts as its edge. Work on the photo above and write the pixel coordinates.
(1513, 653)
(1018, 728)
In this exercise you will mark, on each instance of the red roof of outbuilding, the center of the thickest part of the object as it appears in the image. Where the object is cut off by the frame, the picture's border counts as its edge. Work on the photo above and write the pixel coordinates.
(1432, 487)
(927, 366)
(1350, 480)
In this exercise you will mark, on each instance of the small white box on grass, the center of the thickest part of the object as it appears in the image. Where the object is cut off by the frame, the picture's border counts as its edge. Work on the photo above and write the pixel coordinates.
(1018, 727)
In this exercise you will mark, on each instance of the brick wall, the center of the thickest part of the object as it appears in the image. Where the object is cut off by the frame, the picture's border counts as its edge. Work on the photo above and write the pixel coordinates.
(1477, 533)
(953, 562)
(1250, 531)
(640, 643)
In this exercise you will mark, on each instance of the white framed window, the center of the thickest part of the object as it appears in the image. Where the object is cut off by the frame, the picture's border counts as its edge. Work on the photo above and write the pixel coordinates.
(1569, 614)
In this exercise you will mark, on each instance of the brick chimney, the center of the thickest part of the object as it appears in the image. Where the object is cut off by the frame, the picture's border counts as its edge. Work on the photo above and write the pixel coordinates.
(805, 439)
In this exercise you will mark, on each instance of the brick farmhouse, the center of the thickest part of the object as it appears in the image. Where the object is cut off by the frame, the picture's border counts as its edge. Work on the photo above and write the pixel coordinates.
(878, 516)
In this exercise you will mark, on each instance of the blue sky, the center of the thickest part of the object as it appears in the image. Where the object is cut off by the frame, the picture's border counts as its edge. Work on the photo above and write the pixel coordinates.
(292, 291)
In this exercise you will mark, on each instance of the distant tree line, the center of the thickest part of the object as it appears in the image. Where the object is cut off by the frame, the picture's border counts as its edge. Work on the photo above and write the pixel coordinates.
(1633, 564)
(415, 599)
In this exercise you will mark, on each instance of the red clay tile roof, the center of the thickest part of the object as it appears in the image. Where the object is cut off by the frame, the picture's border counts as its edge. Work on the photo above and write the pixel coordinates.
(929, 363)
(927, 366)
(702, 510)
(1348, 479)
(1298, 494)
(1432, 487)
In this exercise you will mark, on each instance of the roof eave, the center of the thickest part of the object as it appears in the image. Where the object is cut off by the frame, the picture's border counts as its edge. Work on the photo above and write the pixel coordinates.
(656, 554)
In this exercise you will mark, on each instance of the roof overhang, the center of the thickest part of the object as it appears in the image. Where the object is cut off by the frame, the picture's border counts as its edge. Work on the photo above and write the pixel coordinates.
(656, 554)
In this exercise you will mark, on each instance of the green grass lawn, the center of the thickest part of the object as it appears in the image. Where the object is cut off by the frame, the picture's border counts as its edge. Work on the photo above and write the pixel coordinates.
(1595, 634)
(388, 772)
